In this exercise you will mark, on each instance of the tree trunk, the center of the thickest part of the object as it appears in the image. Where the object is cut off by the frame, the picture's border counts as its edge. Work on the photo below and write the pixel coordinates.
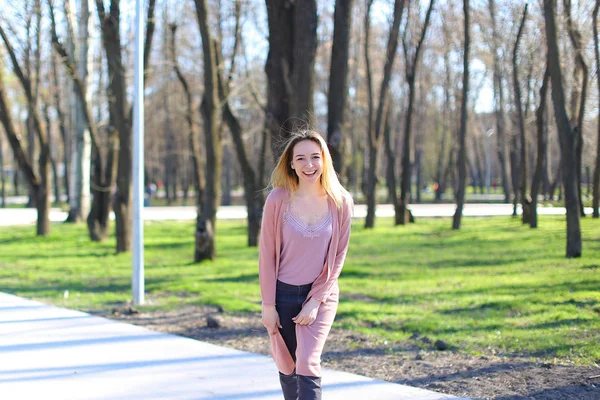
(499, 106)
(62, 128)
(596, 200)
(376, 130)
(289, 68)
(210, 113)
(121, 117)
(412, 65)
(101, 186)
(441, 172)
(103, 182)
(338, 82)
(391, 162)
(370, 183)
(39, 183)
(55, 184)
(521, 166)
(462, 171)
(2, 175)
(192, 129)
(566, 135)
(542, 148)
(580, 74)
(479, 163)
(81, 144)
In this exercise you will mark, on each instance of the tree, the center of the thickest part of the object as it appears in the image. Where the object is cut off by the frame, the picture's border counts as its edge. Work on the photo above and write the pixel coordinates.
(210, 115)
(338, 81)
(520, 163)
(61, 123)
(462, 149)
(580, 75)
(79, 200)
(499, 104)
(566, 134)
(375, 130)
(411, 65)
(39, 182)
(104, 166)
(120, 114)
(542, 145)
(596, 201)
(253, 194)
(192, 131)
(289, 67)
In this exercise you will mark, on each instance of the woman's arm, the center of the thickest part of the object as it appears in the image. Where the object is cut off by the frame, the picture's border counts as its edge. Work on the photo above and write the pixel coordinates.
(266, 253)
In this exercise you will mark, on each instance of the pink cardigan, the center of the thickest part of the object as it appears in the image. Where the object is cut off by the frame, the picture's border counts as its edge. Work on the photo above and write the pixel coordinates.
(324, 286)
(270, 245)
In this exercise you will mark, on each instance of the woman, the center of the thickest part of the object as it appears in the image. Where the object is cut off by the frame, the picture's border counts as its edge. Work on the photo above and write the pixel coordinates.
(303, 243)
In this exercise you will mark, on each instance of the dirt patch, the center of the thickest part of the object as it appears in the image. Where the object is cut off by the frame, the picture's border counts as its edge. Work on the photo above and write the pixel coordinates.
(500, 378)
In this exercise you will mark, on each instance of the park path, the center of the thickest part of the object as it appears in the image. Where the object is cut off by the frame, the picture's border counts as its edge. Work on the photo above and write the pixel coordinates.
(26, 216)
(50, 353)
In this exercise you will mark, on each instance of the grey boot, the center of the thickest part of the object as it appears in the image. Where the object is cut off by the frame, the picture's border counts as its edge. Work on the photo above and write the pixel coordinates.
(289, 385)
(309, 388)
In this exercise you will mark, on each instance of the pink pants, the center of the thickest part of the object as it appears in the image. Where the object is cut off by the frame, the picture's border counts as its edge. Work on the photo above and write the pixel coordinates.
(309, 339)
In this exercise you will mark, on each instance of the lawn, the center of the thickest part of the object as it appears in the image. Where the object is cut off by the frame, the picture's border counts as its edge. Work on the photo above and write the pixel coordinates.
(494, 287)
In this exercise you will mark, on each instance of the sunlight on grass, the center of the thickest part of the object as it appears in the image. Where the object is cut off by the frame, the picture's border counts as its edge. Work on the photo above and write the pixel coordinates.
(494, 287)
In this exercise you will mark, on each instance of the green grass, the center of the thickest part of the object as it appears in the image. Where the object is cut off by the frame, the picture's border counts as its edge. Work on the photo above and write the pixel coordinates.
(494, 287)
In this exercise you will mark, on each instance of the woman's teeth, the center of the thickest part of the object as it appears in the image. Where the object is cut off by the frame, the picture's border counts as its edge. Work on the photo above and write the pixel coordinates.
(310, 173)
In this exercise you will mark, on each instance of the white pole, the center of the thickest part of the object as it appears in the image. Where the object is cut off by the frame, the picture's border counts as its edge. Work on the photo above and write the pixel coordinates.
(137, 283)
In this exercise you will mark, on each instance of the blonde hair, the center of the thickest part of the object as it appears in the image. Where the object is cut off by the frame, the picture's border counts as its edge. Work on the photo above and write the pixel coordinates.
(283, 175)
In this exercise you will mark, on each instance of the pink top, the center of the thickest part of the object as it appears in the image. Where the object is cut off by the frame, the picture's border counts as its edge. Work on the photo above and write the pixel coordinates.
(304, 248)
(271, 244)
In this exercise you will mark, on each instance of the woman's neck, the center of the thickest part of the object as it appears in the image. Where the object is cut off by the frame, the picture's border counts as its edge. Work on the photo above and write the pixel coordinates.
(314, 190)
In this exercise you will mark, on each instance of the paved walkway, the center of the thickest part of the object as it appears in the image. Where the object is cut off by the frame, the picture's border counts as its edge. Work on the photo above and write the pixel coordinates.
(52, 353)
(24, 216)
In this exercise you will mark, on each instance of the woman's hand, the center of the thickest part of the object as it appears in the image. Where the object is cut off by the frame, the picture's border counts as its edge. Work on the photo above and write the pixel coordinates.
(270, 319)
(308, 314)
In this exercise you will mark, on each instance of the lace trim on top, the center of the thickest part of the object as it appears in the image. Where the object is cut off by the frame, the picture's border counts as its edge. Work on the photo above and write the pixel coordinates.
(308, 231)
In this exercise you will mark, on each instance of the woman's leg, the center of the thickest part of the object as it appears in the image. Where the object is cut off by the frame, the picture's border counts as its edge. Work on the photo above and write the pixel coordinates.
(289, 301)
(310, 343)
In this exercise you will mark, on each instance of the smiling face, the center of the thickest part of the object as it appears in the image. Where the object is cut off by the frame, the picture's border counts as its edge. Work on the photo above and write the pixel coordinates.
(307, 161)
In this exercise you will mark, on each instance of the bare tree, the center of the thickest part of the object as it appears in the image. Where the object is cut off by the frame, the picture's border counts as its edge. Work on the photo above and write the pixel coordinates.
(39, 182)
(462, 149)
(81, 142)
(62, 126)
(542, 146)
(411, 64)
(120, 112)
(566, 134)
(520, 163)
(578, 97)
(192, 128)
(499, 104)
(210, 114)
(596, 201)
(104, 167)
(375, 131)
(338, 81)
(290, 67)
(253, 194)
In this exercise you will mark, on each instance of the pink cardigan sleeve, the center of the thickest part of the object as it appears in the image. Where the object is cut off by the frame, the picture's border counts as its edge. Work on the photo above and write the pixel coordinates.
(266, 253)
(340, 256)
